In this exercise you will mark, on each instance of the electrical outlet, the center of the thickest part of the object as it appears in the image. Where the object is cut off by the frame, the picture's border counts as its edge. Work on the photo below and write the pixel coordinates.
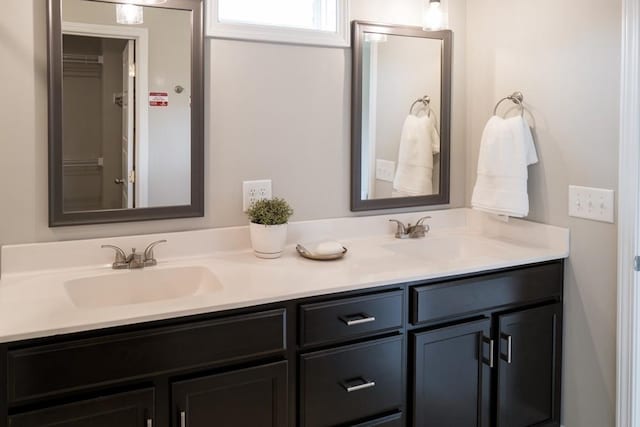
(591, 203)
(252, 191)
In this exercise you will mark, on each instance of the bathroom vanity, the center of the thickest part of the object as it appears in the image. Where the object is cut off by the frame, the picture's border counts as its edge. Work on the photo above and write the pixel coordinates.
(401, 343)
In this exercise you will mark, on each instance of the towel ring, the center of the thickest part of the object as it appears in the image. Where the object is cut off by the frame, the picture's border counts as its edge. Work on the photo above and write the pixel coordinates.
(516, 98)
(426, 101)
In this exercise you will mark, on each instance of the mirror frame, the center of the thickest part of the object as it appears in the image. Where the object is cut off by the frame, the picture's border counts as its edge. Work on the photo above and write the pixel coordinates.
(359, 28)
(57, 215)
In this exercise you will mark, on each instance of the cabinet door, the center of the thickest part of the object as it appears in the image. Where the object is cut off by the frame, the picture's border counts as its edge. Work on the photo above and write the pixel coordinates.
(529, 368)
(452, 369)
(253, 397)
(134, 409)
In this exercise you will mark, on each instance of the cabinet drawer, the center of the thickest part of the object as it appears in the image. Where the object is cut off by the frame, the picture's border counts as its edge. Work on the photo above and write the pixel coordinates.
(350, 317)
(351, 383)
(131, 409)
(43, 370)
(457, 298)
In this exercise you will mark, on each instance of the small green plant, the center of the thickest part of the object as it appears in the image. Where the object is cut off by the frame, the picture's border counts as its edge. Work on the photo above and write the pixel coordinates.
(274, 211)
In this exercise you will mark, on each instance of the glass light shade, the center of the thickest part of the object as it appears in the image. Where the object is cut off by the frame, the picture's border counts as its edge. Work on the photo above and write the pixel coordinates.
(129, 14)
(435, 15)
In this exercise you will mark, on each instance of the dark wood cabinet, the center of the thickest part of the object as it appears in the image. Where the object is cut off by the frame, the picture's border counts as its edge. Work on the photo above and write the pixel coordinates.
(529, 367)
(133, 409)
(479, 350)
(452, 371)
(253, 397)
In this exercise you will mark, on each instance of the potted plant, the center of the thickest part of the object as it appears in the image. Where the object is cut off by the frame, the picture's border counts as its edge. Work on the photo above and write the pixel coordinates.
(268, 227)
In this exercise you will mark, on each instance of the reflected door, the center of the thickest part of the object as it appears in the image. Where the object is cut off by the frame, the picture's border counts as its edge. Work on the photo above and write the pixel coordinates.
(128, 172)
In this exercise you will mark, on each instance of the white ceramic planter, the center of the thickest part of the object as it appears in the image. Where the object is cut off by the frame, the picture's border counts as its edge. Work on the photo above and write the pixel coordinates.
(268, 241)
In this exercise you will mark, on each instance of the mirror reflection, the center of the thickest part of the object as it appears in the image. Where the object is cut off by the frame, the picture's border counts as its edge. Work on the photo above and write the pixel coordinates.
(401, 110)
(126, 98)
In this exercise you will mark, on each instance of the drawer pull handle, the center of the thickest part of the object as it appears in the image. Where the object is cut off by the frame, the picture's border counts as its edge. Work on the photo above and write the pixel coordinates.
(358, 319)
(509, 356)
(363, 386)
(489, 362)
(149, 422)
(183, 419)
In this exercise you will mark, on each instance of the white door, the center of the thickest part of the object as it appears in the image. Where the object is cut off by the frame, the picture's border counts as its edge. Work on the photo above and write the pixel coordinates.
(128, 104)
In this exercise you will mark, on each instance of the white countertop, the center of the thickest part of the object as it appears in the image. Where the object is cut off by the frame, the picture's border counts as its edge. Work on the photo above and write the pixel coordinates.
(34, 301)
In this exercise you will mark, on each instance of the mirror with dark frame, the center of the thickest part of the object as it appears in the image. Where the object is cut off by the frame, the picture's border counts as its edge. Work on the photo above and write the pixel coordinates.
(126, 110)
(401, 108)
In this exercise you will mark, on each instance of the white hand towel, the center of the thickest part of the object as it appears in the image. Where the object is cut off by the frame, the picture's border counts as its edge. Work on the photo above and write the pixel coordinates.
(418, 143)
(506, 150)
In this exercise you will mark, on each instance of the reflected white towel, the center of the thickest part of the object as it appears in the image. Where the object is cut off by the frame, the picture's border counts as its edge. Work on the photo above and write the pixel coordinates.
(505, 152)
(418, 143)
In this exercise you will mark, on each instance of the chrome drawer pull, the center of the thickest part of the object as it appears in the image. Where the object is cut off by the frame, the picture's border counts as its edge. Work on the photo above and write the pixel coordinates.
(349, 321)
(365, 385)
(183, 419)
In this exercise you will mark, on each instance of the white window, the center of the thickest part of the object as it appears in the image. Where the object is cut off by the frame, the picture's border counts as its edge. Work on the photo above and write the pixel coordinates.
(318, 22)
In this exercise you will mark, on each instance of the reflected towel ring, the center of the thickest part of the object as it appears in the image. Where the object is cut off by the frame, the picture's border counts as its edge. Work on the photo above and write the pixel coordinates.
(425, 101)
(516, 98)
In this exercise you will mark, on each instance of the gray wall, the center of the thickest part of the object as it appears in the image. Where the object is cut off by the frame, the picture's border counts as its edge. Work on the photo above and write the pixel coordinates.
(273, 111)
(564, 57)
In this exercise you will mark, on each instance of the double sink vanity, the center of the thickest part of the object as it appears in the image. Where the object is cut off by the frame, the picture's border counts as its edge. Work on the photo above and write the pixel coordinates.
(460, 328)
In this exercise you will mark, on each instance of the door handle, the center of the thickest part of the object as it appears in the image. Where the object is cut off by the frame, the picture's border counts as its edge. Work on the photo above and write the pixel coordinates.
(119, 181)
(509, 355)
(490, 361)
(183, 419)
(149, 422)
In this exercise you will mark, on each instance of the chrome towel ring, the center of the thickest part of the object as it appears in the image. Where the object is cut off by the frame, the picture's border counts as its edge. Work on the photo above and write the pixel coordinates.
(516, 98)
(426, 101)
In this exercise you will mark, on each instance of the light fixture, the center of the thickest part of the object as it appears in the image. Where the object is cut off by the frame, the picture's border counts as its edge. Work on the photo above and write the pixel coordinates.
(129, 14)
(436, 15)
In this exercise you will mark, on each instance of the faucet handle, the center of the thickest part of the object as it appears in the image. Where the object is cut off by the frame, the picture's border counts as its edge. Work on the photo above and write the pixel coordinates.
(401, 231)
(427, 227)
(149, 259)
(421, 220)
(121, 257)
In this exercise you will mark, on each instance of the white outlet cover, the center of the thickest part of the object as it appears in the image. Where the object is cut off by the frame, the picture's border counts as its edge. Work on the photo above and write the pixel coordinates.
(252, 191)
(591, 203)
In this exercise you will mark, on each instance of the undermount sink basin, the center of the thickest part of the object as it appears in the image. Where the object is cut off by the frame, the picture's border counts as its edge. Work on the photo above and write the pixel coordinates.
(440, 249)
(141, 286)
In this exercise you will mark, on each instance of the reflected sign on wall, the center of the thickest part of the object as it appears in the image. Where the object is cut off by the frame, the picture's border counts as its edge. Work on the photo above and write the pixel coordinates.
(158, 99)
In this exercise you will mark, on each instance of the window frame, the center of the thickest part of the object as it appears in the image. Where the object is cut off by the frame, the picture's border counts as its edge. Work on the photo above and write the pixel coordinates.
(280, 34)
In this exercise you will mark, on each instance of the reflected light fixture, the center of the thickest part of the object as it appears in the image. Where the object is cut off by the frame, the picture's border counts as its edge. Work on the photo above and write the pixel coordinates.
(129, 14)
(435, 15)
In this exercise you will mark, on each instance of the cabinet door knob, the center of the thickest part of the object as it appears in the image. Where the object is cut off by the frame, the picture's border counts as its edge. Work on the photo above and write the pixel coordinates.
(509, 356)
(357, 319)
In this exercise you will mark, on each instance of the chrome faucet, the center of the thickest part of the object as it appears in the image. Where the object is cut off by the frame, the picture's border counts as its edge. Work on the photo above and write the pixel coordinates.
(409, 231)
(134, 260)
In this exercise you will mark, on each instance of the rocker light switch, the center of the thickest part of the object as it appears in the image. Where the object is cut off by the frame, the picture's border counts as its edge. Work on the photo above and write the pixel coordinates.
(591, 203)
(385, 170)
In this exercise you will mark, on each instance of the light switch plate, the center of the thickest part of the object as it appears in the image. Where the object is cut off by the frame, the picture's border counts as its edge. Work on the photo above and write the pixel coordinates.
(252, 191)
(385, 170)
(591, 203)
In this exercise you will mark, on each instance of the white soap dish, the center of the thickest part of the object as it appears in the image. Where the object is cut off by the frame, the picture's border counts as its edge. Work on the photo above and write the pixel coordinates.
(321, 255)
